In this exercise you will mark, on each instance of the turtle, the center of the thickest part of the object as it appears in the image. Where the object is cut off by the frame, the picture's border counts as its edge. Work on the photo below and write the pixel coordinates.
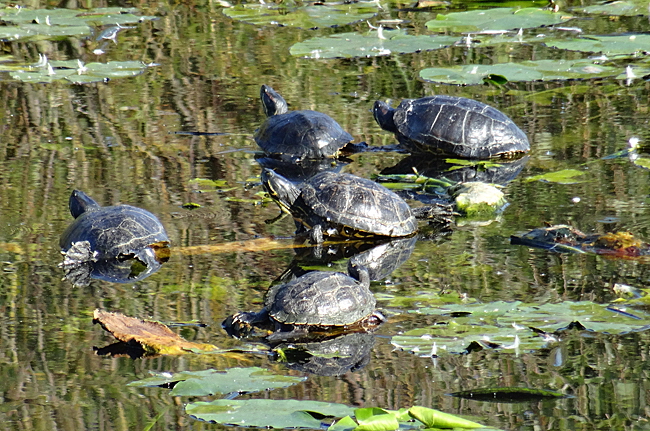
(113, 232)
(458, 126)
(297, 135)
(318, 301)
(344, 205)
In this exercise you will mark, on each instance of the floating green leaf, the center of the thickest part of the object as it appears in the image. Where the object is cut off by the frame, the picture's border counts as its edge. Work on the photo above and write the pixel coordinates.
(49, 23)
(378, 422)
(11, 33)
(540, 70)
(54, 17)
(628, 7)
(266, 413)
(508, 325)
(344, 424)
(376, 419)
(608, 45)
(495, 19)
(347, 45)
(436, 419)
(565, 176)
(210, 382)
(313, 15)
(635, 72)
(75, 72)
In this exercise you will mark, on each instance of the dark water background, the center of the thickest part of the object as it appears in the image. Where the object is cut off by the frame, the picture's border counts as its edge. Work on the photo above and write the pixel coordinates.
(112, 141)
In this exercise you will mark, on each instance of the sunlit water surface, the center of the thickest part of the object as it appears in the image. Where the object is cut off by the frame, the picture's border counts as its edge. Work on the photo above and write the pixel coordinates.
(113, 141)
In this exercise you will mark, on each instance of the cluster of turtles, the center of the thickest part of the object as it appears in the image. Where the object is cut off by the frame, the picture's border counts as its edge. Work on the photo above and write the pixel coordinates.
(325, 205)
(335, 205)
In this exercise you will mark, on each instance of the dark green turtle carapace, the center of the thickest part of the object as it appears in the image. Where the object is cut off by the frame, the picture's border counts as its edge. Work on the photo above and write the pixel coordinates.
(452, 125)
(111, 232)
(297, 135)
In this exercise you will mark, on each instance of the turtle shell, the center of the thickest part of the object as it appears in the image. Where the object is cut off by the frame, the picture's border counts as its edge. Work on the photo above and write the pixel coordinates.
(354, 206)
(459, 126)
(302, 135)
(112, 231)
(320, 298)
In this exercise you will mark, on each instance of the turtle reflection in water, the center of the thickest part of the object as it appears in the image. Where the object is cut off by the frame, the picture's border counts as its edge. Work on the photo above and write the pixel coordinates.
(118, 243)
(379, 257)
(453, 125)
(317, 303)
(486, 171)
(331, 357)
(344, 205)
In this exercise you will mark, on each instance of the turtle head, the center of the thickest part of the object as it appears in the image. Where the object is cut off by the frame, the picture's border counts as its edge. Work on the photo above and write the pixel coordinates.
(272, 102)
(384, 116)
(359, 272)
(80, 203)
(281, 190)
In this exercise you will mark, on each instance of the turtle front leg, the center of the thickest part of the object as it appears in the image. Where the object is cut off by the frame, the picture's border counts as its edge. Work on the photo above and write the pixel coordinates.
(241, 324)
(436, 213)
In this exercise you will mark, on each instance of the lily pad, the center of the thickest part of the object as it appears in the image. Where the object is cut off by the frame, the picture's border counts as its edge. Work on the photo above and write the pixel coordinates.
(348, 45)
(313, 15)
(51, 23)
(376, 419)
(267, 413)
(78, 74)
(436, 419)
(628, 7)
(210, 382)
(525, 71)
(12, 33)
(72, 17)
(495, 19)
(607, 45)
(509, 325)
(633, 73)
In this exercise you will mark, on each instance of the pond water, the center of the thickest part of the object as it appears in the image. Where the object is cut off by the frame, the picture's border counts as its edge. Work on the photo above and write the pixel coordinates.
(113, 141)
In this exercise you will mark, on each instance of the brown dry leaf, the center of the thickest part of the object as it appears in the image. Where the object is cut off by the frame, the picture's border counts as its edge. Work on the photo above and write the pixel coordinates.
(619, 241)
(154, 337)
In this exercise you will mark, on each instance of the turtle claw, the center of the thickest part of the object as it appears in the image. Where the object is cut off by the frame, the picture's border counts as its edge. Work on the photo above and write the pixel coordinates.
(316, 234)
(78, 253)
